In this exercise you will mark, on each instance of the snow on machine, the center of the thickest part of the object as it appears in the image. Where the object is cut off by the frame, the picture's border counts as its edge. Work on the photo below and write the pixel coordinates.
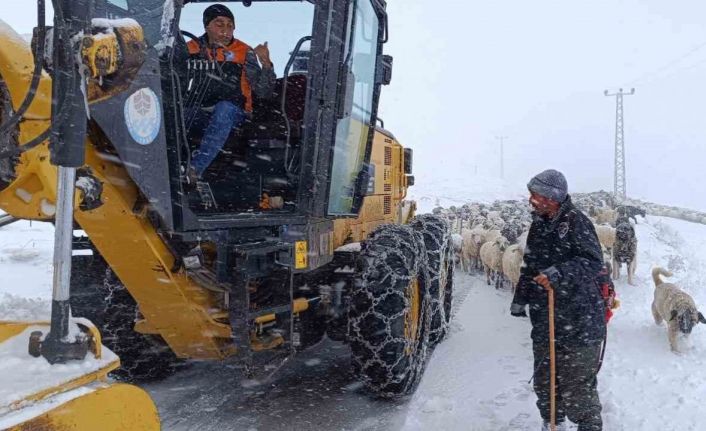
(298, 229)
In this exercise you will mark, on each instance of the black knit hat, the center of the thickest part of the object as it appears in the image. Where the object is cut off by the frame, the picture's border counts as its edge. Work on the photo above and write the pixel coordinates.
(550, 184)
(214, 11)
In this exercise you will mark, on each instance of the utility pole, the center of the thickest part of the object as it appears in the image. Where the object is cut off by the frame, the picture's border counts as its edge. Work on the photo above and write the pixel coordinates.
(502, 155)
(619, 188)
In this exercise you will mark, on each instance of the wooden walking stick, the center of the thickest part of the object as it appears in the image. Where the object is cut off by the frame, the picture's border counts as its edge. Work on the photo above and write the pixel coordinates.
(552, 362)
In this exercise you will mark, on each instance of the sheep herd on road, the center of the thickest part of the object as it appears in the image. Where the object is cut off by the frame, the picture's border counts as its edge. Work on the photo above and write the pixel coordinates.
(492, 237)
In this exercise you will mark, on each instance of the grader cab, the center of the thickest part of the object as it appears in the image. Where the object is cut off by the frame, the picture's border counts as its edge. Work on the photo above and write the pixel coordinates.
(300, 227)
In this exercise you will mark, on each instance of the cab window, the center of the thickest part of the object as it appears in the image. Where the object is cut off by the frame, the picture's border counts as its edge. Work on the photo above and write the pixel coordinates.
(353, 129)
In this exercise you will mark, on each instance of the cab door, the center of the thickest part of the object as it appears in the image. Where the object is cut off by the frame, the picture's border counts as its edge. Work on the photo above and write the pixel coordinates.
(356, 109)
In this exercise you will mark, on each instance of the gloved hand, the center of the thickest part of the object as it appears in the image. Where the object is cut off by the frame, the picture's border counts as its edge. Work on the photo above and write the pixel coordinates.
(553, 275)
(518, 310)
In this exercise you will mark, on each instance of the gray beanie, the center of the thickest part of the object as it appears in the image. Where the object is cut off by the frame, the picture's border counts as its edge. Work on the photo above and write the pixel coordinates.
(550, 184)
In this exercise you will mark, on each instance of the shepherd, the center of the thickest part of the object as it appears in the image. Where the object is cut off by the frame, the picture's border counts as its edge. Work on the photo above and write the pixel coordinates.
(559, 282)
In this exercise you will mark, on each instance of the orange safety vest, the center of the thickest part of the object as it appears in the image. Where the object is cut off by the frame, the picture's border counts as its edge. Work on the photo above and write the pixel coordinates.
(236, 52)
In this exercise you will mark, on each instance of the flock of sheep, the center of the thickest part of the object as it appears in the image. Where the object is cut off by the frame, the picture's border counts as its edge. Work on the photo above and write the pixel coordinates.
(492, 237)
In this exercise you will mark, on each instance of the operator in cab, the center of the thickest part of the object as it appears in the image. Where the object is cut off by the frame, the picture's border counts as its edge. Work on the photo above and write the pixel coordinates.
(242, 72)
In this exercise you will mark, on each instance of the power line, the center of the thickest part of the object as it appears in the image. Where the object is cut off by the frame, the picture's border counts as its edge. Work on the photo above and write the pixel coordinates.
(675, 72)
(667, 65)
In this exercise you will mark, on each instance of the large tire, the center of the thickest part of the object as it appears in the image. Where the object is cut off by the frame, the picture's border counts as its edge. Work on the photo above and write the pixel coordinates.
(98, 295)
(389, 314)
(436, 232)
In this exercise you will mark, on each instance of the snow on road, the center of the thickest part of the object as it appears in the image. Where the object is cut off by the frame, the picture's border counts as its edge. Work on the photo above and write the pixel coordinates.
(477, 379)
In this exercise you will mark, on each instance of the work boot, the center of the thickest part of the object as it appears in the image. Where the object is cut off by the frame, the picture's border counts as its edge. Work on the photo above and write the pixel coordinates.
(560, 426)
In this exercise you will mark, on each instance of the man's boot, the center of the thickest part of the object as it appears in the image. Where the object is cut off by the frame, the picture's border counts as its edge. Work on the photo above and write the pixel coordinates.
(560, 426)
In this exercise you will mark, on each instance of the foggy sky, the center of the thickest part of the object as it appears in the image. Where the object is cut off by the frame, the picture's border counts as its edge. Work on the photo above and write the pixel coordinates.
(535, 72)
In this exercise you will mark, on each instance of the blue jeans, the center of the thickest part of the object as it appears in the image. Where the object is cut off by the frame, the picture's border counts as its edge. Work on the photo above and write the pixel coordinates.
(225, 117)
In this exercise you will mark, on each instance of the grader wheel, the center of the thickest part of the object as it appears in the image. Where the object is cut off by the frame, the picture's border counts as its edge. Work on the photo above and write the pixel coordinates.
(98, 295)
(389, 316)
(439, 252)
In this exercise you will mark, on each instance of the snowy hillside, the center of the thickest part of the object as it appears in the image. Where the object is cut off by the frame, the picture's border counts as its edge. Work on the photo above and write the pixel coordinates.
(449, 191)
(476, 380)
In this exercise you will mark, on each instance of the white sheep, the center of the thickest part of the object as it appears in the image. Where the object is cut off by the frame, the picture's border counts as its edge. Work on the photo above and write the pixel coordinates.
(478, 220)
(606, 236)
(491, 234)
(511, 264)
(606, 216)
(470, 253)
(495, 220)
(491, 255)
(457, 242)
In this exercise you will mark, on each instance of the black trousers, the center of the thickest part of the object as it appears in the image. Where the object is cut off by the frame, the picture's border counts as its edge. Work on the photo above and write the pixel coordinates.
(576, 380)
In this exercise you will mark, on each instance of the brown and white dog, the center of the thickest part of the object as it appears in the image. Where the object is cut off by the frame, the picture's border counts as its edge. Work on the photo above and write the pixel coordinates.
(625, 250)
(674, 306)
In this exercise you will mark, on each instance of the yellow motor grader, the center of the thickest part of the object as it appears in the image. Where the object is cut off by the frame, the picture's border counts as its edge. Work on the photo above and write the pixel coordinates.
(298, 229)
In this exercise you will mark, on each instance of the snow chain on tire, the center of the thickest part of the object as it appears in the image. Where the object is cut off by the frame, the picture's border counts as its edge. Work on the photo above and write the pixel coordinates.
(389, 350)
(436, 232)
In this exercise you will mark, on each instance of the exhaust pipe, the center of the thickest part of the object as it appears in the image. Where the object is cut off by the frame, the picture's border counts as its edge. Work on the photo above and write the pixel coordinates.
(6, 219)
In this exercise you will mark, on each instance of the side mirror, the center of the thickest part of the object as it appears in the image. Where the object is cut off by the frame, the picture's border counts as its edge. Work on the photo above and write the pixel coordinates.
(385, 70)
(410, 180)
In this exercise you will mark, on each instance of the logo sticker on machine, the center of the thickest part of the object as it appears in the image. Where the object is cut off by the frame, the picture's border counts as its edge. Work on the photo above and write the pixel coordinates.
(143, 116)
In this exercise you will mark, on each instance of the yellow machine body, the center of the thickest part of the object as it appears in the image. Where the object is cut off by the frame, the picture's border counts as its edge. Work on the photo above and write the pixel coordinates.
(87, 401)
(84, 400)
(385, 201)
(173, 306)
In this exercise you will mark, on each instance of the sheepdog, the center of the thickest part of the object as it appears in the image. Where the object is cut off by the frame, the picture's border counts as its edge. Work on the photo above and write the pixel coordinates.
(625, 250)
(674, 306)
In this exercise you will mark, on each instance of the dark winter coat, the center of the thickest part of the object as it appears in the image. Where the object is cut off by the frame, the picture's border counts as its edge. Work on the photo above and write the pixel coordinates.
(567, 251)
(239, 75)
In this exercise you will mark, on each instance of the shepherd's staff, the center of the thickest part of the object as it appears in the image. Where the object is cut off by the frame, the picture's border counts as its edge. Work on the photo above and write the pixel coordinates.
(552, 362)
(543, 280)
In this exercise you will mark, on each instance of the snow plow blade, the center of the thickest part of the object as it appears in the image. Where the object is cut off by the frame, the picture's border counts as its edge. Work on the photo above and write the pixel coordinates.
(35, 395)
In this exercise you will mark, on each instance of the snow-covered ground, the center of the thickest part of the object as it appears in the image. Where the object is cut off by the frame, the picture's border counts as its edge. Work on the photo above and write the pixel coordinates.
(476, 380)
(26, 250)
